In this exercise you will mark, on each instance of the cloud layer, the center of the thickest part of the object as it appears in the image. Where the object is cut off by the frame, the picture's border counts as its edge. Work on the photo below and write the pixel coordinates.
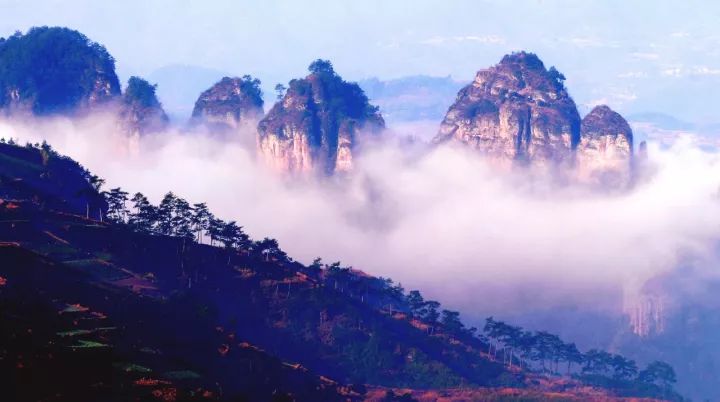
(440, 220)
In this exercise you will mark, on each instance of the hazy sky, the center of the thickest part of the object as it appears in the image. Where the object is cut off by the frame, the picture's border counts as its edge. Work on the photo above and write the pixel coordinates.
(635, 55)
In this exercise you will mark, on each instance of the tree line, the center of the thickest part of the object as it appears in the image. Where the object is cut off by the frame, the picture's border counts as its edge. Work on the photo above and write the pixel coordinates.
(513, 346)
(540, 351)
(175, 216)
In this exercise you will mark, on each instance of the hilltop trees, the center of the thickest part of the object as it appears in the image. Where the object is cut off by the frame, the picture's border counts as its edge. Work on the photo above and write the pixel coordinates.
(140, 91)
(320, 66)
(280, 91)
(144, 214)
(251, 86)
(623, 368)
(228, 103)
(116, 199)
(174, 216)
(55, 70)
(451, 321)
(141, 111)
(509, 345)
(658, 373)
(596, 362)
(548, 350)
(200, 220)
(571, 355)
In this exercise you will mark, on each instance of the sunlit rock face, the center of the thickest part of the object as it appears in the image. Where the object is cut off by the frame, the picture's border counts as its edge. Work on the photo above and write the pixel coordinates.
(229, 103)
(516, 112)
(317, 126)
(604, 155)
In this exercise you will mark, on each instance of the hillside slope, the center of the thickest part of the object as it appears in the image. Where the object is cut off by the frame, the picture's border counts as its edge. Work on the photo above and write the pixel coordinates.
(155, 313)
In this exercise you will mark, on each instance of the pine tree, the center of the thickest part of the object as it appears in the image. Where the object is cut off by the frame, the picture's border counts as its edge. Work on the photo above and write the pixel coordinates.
(144, 215)
(200, 220)
(117, 209)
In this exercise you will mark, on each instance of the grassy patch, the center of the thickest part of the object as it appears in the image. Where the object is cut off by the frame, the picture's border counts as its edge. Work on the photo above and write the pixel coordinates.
(89, 345)
(81, 332)
(77, 332)
(181, 375)
(74, 308)
(97, 268)
(57, 251)
(132, 368)
(103, 256)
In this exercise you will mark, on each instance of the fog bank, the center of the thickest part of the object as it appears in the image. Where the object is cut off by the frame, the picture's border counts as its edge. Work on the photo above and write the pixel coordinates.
(440, 220)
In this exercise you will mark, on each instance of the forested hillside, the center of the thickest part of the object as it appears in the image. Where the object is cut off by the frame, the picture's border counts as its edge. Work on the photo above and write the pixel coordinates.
(170, 302)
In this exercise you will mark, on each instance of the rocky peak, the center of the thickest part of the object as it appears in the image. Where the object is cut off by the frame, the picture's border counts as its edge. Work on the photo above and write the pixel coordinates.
(605, 153)
(515, 111)
(316, 125)
(603, 121)
(230, 102)
(53, 70)
(141, 112)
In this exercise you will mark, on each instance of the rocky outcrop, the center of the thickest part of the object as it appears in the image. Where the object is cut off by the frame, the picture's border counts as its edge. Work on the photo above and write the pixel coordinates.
(140, 109)
(317, 125)
(229, 103)
(55, 70)
(604, 155)
(517, 112)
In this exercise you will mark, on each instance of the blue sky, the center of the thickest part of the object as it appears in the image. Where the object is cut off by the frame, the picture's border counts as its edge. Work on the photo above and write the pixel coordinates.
(637, 56)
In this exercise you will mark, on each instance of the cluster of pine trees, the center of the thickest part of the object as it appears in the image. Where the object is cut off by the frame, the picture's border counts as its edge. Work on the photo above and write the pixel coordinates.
(175, 216)
(537, 351)
(545, 351)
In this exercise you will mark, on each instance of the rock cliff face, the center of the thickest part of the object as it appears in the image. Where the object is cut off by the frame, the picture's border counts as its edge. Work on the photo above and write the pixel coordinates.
(517, 112)
(229, 103)
(316, 126)
(54, 70)
(140, 110)
(604, 155)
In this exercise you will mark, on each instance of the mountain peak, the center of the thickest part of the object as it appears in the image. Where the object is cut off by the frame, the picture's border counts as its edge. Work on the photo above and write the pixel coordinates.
(316, 124)
(515, 111)
(603, 120)
(229, 102)
(141, 112)
(605, 152)
(53, 70)
(524, 59)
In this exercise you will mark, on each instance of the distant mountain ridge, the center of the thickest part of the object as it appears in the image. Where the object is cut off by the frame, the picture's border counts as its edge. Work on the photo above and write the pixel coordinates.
(180, 85)
(412, 98)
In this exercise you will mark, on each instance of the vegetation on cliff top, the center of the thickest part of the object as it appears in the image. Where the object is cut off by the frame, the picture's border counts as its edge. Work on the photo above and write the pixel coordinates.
(54, 70)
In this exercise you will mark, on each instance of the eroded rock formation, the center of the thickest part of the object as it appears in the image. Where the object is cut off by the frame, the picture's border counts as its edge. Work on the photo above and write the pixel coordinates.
(515, 112)
(604, 155)
(317, 125)
(518, 113)
(140, 109)
(229, 103)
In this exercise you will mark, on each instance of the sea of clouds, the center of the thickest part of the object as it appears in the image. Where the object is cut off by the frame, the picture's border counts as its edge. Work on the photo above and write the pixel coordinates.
(438, 219)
